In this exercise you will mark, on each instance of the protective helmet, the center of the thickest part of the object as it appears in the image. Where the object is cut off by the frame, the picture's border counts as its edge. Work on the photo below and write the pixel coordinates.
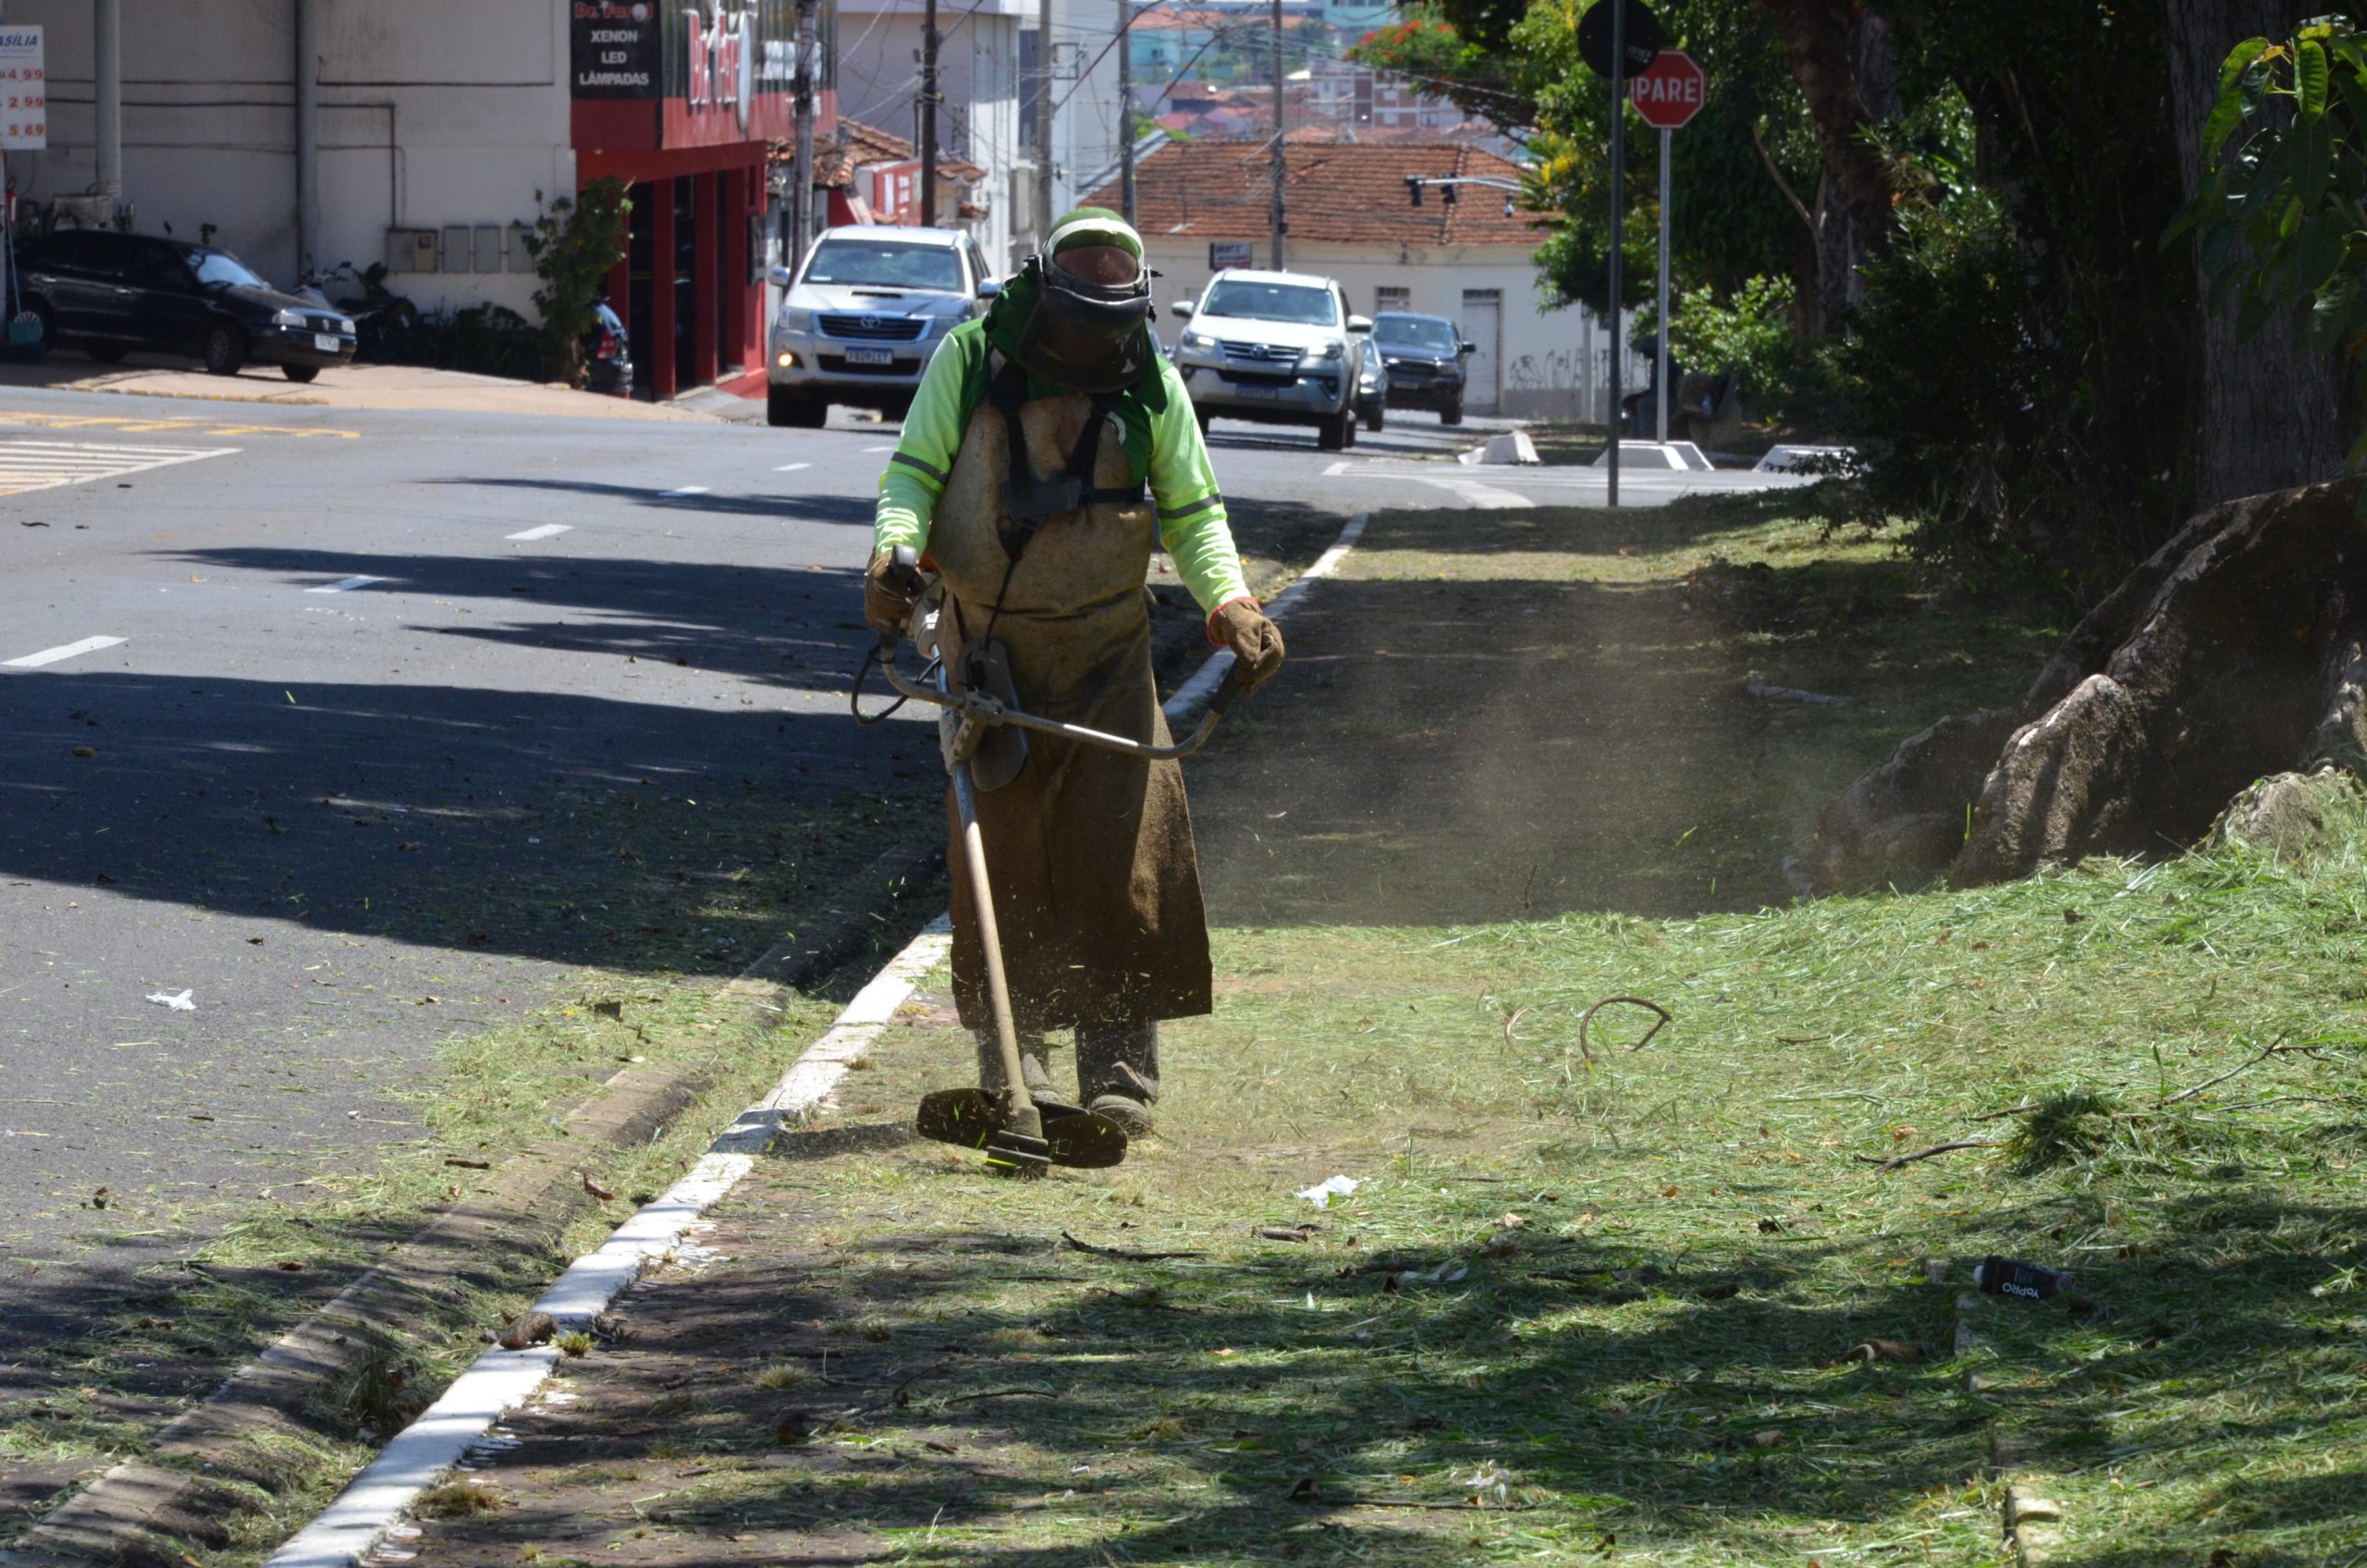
(1090, 325)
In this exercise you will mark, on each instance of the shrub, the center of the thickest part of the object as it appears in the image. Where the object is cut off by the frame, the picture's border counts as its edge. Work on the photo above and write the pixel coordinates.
(485, 340)
(1750, 333)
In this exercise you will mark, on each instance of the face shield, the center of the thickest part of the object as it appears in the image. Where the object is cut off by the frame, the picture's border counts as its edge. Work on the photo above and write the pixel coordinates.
(1090, 327)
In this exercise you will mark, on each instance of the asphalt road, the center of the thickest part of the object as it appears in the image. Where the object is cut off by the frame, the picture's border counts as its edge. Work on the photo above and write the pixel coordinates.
(291, 694)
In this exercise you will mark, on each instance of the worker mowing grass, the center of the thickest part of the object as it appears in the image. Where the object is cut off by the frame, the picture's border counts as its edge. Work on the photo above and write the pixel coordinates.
(1050, 449)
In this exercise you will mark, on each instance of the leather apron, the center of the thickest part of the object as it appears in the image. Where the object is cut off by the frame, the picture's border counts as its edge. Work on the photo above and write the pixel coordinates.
(1096, 886)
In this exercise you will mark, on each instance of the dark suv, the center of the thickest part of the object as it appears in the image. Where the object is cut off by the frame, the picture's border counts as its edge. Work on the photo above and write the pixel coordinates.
(1424, 358)
(109, 293)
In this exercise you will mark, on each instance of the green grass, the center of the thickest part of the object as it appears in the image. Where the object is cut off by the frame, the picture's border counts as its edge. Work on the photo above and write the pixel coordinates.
(1669, 1260)
(1660, 1306)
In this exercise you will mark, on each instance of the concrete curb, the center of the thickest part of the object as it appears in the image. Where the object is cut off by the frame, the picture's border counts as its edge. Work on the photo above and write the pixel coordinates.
(169, 1494)
(500, 1380)
(1195, 690)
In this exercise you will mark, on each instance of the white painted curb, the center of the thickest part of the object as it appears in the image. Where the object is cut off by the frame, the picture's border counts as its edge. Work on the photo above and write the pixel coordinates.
(502, 1379)
(1197, 691)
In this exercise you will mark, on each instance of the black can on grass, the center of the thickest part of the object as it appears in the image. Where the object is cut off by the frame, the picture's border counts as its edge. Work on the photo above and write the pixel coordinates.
(2027, 1281)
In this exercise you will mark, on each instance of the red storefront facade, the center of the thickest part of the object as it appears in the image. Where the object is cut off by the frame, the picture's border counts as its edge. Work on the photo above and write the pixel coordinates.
(680, 99)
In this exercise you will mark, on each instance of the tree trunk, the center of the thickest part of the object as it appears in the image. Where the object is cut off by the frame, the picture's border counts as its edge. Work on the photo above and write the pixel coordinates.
(2239, 650)
(2272, 416)
(1846, 66)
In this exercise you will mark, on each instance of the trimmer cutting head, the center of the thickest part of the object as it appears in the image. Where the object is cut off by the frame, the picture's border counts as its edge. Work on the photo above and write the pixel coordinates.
(976, 1119)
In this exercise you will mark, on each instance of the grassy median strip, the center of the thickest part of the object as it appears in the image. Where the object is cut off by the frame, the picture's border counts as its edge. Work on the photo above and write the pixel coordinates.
(1663, 1305)
(1607, 1291)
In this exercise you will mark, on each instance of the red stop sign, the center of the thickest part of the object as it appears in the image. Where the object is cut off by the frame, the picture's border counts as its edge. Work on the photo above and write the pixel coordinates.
(1671, 91)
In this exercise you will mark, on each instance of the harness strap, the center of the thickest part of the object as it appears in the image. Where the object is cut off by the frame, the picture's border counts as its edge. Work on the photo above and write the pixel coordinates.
(1030, 502)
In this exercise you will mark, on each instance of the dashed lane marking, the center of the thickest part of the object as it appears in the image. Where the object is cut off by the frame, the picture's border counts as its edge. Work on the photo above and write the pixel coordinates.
(191, 426)
(684, 493)
(48, 465)
(792, 468)
(548, 530)
(347, 586)
(65, 651)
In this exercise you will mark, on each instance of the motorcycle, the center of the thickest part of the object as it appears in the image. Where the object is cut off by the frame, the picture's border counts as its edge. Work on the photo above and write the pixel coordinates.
(382, 318)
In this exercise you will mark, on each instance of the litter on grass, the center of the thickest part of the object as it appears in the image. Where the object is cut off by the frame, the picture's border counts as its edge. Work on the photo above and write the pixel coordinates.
(1322, 1192)
(180, 1003)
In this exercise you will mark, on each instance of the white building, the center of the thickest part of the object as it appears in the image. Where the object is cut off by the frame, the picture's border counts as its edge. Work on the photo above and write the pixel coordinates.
(1203, 205)
(978, 83)
(310, 132)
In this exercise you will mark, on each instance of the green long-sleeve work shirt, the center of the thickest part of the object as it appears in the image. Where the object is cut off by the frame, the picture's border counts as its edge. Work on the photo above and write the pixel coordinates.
(1192, 523)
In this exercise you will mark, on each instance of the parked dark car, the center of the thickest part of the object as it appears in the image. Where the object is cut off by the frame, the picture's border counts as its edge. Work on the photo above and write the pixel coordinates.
(109, 293)
(607, 355)
(1424, 356)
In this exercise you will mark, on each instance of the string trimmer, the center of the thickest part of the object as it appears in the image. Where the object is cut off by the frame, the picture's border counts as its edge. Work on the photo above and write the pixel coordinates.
(982, 733)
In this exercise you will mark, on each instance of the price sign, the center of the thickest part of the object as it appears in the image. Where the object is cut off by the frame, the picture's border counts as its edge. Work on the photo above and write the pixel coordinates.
(24, 90)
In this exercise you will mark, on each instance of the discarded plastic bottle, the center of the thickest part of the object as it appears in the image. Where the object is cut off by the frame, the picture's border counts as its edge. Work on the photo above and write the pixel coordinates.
(2010, 1277)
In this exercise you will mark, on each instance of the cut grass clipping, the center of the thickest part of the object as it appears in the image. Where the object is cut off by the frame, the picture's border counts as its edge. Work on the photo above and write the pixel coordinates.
(1657, 1312)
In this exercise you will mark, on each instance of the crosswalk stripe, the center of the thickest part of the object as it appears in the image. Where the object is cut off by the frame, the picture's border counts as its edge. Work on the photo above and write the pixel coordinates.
(67, 651)
(26, 466)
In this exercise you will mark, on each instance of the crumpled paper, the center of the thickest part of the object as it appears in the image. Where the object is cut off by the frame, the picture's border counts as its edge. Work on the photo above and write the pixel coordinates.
(1322, 1192)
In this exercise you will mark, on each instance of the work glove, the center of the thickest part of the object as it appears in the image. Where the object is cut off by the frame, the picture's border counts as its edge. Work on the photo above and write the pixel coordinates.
(886, 605)
(1254, 641)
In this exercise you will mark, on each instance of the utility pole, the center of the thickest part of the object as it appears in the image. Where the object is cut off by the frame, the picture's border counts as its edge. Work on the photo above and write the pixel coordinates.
(308, 135)
(1282, 168)
(800, 193)
(1043, 120)
(1618, 225)
(1661, 367)
(928, 115)
(1126, 107)
(106, 82)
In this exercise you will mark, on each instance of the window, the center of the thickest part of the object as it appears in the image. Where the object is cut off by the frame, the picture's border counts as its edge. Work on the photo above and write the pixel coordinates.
(155, 264)
(892, 264)
(1388, 298)
(1273, 301)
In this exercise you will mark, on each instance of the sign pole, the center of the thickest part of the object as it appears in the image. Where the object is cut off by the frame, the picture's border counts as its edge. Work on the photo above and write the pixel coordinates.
(1618, 226)
(1661, 368)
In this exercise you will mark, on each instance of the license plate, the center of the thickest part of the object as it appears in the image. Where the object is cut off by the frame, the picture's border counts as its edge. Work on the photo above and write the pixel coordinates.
(1258, 389)
(871, 356)
(326, 342)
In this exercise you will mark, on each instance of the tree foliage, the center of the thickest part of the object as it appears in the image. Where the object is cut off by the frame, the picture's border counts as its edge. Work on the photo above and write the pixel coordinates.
(2279, 208)
(575, 244)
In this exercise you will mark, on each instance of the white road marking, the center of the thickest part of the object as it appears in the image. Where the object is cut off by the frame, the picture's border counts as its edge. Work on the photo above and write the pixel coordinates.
(68, 651)
(48, 465)
(500, 1380)
(348, 586)
(880, 448)
(1479, 495)
(686, 490)
(792, 468)
(548, 530)
(1336, 470)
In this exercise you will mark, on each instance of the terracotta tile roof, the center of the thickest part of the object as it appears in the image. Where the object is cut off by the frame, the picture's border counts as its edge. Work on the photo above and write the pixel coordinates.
(1336, 193)
(1204, 21)
(859, 146)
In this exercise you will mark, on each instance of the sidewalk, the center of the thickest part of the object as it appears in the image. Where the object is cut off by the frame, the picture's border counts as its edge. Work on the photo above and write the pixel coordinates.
(361, 386)
(1606, 1291)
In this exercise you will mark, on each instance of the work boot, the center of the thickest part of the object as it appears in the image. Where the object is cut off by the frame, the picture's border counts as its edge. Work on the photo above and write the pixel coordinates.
(1034, 1071)
(1117, 1072)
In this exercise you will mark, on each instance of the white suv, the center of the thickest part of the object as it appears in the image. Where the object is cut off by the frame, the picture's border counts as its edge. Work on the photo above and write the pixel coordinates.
(864, 314)
(1273, 347)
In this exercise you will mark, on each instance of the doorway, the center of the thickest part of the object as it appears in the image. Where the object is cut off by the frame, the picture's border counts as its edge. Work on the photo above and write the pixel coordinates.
(1482, 325)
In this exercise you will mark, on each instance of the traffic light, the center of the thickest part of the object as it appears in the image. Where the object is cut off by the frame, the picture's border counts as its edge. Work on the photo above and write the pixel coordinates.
(1446, 193)
(1413, 188)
